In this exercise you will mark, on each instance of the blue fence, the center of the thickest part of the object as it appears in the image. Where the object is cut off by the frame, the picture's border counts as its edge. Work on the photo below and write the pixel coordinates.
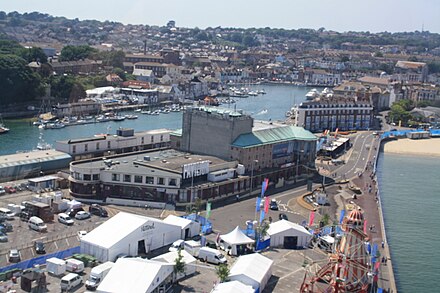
(41, 259)
(402, 133)
(206, 225)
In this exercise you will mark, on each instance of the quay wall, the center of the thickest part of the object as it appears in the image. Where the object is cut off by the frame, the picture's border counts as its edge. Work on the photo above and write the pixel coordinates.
(392, 280)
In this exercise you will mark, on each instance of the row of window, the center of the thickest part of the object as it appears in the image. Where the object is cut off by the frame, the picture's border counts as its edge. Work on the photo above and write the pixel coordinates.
(98, 144)
(143, 179)
(85, 177)
(321, 112)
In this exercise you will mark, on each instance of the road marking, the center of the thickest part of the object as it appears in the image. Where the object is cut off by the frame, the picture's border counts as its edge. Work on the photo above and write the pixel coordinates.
(67, 241)
(32, 251)
(56, 245)
(40, 238)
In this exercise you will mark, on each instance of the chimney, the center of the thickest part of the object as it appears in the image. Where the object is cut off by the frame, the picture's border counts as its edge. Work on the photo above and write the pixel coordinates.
(145, 47)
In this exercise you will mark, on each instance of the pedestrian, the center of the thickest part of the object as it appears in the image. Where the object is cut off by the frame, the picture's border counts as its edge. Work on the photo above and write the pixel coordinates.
(383, 244)
(237, 197)
(383, 259)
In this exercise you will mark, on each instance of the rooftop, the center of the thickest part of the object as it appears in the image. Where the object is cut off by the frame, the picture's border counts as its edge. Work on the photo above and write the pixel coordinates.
(32, 157)
(273, 135)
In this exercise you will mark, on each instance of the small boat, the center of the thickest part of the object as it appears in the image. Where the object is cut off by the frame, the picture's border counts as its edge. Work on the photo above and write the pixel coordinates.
(131, 117)
(118, 118)
(261, 92)
(312, 94)
(3, 129)
(56, 125)
(157, 112)
(138, 110)
(146, 112)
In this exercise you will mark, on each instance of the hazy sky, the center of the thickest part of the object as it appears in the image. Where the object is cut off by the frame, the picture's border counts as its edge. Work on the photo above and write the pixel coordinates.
(339, 15)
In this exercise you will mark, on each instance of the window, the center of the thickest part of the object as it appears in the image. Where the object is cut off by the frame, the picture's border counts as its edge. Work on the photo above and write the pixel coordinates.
(97, 146)
(95, 177)
(127, 178)
(73, 149)
(149, 180)
(86, 147)
(161, 181)
(142, 140)
(152, 138)
(172, 182)
(161, 138)
(87, 177)
(116, 177)
(137, 179)
(108, 144)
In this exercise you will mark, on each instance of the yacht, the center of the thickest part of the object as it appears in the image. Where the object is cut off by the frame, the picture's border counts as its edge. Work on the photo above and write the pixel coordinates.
(312, 94)
(3, 129)
(131, 117)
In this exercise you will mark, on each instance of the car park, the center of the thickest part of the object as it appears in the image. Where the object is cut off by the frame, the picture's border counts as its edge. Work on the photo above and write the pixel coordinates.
(283, 216)
(273, 205)
(14, 255)
(82, 215)
(39, 247)
(65, 219)
(98, 210)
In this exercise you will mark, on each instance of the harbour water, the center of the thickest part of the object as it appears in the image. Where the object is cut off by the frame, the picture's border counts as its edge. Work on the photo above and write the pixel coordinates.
(273, 105)
(410, 194)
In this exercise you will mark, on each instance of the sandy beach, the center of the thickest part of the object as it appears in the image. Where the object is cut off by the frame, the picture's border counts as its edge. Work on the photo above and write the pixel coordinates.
(425, 147)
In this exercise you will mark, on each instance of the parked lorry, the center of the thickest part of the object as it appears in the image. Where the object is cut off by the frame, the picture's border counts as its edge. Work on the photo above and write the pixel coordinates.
(97, 274)
(56, 266)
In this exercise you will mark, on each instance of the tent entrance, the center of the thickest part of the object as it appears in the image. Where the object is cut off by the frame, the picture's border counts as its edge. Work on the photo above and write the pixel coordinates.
(290, 242)
(141, 247)
(186, 233)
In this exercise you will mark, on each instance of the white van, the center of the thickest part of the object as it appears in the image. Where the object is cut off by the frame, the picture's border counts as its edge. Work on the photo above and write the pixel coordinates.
(37, 224)
(6, 213)
(211, 255)
(74, 265)
(192, 247)
(65, 219)
(178, 244)
(97, 274)
(70, 281)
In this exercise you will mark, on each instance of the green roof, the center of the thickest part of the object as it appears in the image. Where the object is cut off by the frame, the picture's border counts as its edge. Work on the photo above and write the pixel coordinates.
(273, 135)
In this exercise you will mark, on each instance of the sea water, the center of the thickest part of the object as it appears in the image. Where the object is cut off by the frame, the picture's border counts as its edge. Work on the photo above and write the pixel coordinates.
(410, 194)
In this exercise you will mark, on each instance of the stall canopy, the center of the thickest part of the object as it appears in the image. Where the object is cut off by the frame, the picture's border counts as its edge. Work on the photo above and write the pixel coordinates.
(253, 269)
(234, 241)
(232, 287)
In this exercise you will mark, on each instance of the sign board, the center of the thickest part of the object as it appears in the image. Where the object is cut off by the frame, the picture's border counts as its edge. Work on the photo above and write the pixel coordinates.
(195, 169)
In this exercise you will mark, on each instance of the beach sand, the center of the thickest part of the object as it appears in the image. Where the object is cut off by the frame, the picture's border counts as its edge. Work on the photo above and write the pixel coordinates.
(425, 147)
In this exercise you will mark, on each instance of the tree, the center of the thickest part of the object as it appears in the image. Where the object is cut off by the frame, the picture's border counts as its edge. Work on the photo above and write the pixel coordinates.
(325, 219)
(261, 229)
(75, 53)
(77, 92)
(378, 54)
(222, 272)
(33, 54)
(179, 263)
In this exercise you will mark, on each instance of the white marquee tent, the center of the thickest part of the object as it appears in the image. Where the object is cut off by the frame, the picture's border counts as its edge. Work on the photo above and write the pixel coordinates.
(234, 241)
(252, 269)
(189, 228)
(288, 235)
(232, 287)
(188, 259)
(128, 234)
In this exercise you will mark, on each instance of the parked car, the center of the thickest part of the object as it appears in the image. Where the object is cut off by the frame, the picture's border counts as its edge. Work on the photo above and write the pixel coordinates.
(3, 237)
(5, 227)
(283, 217)
(10, 189)
(273, 205)
(39, 247)
(2, 190)
(72, 212)
(82, 215)
(96, 209)
(14, 255)
(81, 234)
(65, 219)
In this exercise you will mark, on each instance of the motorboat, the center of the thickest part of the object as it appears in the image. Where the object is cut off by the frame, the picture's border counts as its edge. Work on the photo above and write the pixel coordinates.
(312, 94)
(3, 129)
(118, 118)
(131, 117)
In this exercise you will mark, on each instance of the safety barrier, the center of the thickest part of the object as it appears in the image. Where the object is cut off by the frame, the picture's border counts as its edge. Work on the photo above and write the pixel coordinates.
(41, 259)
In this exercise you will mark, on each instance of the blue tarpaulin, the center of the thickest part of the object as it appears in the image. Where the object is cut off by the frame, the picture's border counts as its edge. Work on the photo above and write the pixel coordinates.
(41, 259)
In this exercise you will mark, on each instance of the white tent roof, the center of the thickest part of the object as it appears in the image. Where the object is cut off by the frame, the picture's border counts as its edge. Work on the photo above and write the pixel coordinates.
(233, 287)
(283, 225)
(254, 265)
(237, 237)
(134, 275)
(115, 229)
(178, 221)
(170, 257)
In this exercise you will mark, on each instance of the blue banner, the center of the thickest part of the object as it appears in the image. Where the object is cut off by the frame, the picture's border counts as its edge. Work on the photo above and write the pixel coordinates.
(257, 204)
(262, 214)
(341, 218)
